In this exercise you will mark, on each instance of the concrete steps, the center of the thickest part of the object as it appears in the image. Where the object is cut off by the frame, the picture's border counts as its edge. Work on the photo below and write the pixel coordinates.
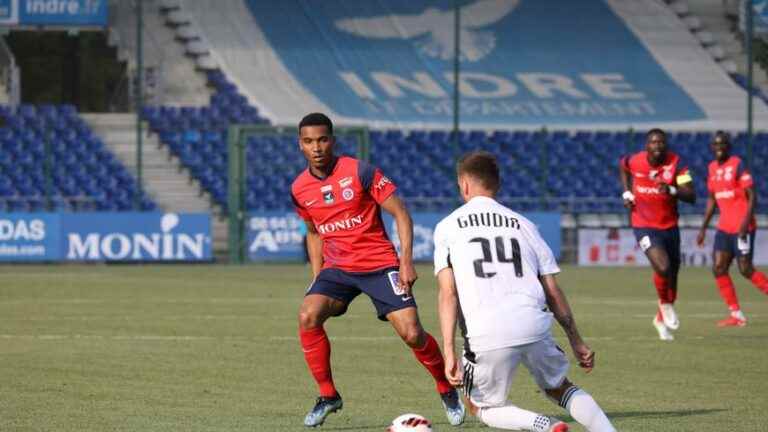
(163, 176)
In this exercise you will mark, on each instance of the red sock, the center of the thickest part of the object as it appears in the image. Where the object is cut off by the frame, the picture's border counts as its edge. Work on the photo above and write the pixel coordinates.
(317, 353)
(432, 359)
(662, 289)
(760, 281)
(727, 291)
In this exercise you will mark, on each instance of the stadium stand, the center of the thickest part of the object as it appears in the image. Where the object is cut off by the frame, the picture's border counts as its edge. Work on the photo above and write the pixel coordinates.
(175, 83)
(570, 169)
(248, 40)
(84, 174)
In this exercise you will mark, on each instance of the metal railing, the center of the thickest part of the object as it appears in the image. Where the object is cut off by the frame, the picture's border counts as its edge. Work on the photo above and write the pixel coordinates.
(10, 76)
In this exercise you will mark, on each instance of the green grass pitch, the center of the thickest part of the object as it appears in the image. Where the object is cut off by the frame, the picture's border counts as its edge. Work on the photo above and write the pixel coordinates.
(214, 348)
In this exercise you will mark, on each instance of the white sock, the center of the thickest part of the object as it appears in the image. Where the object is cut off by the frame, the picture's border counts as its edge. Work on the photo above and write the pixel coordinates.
(513, 418)
(738, 314)
(585, 410)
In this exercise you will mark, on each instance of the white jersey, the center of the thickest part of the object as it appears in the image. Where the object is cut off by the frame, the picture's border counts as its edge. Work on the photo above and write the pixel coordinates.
(497, 256)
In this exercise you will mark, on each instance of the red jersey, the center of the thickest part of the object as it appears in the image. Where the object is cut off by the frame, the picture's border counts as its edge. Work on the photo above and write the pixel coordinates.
(654, 209)
(728, 183)
(344, 207)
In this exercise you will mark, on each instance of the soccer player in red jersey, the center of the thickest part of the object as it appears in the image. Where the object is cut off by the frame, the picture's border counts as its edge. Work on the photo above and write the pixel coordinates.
(654, 180)
(731, 189)
(340, 199)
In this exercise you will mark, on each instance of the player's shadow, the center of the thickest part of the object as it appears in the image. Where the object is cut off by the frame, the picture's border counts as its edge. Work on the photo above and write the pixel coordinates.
(378, 427)
(655, 414)
(611, 415)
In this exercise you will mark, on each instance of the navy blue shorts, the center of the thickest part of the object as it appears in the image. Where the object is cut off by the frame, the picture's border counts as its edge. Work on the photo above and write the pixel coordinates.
(380, 286)
(668, 239)
(730, 243)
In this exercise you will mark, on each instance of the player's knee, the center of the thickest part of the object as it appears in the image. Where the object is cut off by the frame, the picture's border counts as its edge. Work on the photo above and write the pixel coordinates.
(555, 394)
(746, 269)
(413, 336)
(719, 269)
(664, 270)
(309, 319)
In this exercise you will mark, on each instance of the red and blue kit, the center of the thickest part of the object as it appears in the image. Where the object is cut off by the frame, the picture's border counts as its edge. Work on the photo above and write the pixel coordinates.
(654, 209)
(728, 183)
(344, 207)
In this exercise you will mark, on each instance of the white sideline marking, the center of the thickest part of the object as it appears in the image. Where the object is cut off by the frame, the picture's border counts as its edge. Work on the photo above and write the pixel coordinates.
(167, 338)
(232, 300)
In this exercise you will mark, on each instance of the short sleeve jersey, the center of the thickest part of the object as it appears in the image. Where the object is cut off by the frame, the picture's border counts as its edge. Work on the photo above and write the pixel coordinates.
(345, 209)
(728, 183)
(654, 209)
(497, 256)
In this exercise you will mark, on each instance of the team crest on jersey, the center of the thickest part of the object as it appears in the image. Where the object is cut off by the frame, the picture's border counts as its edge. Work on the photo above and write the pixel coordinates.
(347, 194)
(728, 173)
(327, 192)
(667, 173)
(382, 182)
(346, 181)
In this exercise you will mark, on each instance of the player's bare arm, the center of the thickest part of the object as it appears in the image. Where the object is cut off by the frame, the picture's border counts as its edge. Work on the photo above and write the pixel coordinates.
(684, 192)
(558, 304)
(447, 307)
(395, 206)
(314, 248)
(625, 177)
(708, 213)
(751, 202)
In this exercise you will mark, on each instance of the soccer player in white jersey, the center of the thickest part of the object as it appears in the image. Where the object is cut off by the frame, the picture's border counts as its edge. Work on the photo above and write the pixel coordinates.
(496, 278)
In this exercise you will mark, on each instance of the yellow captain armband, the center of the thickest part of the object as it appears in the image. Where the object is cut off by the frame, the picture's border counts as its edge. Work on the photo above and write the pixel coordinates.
(684, 178)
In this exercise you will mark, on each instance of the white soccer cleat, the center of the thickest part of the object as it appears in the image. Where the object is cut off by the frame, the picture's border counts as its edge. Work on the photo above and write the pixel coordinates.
(669, 315)
(664, 333)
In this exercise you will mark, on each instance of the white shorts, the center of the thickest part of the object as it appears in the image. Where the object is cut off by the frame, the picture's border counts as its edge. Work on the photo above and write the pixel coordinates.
(488, 380)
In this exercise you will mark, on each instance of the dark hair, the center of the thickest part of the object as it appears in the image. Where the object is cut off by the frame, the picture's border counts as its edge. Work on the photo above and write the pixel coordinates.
(723, 136)
(317, 119)
(482, 166)
(656, 131)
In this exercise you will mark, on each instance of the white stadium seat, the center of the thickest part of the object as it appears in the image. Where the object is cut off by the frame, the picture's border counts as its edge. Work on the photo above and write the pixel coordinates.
(187, 32)
(717, 52)
(197, 47)
(206, 62)
(729, 66)
(693, 23)
(706, 38)
(178, 18)
(166, 5)
(680, 8)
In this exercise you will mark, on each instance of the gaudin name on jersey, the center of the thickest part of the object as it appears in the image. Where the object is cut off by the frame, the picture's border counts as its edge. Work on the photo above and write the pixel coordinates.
(487, 219)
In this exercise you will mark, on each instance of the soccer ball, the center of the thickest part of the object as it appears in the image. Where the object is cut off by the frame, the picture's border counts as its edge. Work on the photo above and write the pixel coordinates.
(410, 423)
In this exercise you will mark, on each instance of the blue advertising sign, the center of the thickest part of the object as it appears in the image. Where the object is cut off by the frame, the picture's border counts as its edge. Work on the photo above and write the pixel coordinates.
(9, 12)
(524, 61)
(136, 237)
(29, 237)
(275, 236)
(57, 12)
(759, 16)
(424, 227)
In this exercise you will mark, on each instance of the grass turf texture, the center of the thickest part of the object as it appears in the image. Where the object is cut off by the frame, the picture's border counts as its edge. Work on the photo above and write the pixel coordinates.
(214, 348)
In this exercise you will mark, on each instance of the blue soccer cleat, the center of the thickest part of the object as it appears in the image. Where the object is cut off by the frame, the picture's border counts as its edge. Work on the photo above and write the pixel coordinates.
(323, 407)
(454, 409)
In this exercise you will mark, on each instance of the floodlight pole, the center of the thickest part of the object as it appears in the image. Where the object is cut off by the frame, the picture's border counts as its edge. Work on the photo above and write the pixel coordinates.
(139, 101)
(750, 68)
(456, 53)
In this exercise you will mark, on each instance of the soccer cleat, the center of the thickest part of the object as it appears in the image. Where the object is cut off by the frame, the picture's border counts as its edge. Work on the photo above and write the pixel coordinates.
(323, 407)
(558, 426)
(732, 321)
(669, 315)
(454, 409)
(664, 333)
